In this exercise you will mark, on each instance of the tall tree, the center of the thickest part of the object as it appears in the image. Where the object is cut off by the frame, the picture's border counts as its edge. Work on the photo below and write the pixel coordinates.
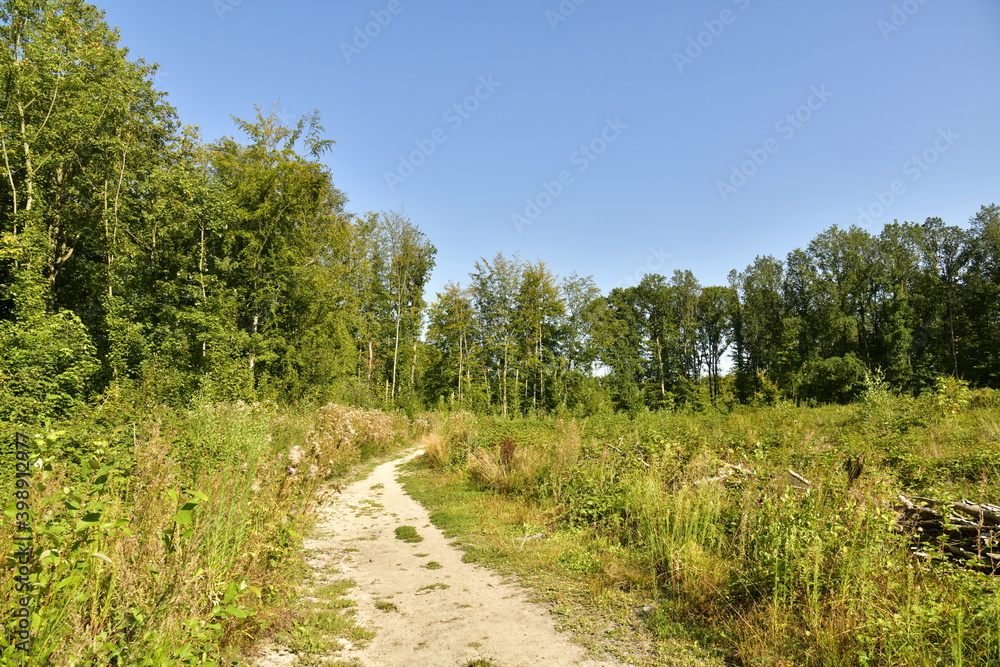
(982, 303)
(619, 337)
(494, 287)
(538, 310)
(716, 307)
(287, 228)
(410, 258)
(946, 254)
(451, 330)
(80, 127)
(759, 325)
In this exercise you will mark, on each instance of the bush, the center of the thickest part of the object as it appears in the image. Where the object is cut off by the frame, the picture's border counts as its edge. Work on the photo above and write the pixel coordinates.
(46, 367)
(833, 380)
(449, 449)
(181, 548)
(343, 435)
(509, 469)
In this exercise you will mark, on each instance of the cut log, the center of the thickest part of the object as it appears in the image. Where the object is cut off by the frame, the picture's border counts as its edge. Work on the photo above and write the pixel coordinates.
(977, 511)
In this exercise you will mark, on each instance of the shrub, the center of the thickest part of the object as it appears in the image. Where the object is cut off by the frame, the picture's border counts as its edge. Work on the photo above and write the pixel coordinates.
(508, 470)
(832, 380)
(46, 367)
(450, 448)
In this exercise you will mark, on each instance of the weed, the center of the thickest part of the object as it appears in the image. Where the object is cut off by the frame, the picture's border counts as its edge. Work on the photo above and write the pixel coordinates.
(433, 587)
(177, 539)
(408, 534)
(386, 606)
(433, 565)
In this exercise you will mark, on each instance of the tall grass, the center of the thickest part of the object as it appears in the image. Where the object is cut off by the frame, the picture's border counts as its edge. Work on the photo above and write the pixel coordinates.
(757, 564)
(177, 543)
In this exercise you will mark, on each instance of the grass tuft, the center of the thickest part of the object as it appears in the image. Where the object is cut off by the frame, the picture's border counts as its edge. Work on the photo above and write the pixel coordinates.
(408, 534)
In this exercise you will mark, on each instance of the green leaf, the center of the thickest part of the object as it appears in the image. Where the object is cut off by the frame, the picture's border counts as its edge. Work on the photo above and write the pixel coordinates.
(66, 581)
(236, 612)
(232, 590)
(198, 496)
(115, 524)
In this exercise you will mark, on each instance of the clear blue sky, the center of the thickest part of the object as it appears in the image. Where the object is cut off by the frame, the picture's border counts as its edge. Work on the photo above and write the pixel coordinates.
(828, 101)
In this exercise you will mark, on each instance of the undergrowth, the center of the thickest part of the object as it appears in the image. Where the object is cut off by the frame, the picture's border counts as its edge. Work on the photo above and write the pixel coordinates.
(173, 539)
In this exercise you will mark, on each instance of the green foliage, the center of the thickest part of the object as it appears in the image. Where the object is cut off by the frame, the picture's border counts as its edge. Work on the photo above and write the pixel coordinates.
(831, 380)
(143, 267)
(179, 547)
(952, 395)
(47, 367)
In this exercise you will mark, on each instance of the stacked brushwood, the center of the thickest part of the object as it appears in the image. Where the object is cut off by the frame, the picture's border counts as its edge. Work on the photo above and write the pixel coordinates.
(964, 532)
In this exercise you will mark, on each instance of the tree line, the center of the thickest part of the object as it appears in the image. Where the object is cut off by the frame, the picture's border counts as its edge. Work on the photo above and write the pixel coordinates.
(138, 260)
(909, 304)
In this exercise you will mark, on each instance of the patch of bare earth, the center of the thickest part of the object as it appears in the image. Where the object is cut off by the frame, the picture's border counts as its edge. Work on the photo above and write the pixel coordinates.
(426, 606)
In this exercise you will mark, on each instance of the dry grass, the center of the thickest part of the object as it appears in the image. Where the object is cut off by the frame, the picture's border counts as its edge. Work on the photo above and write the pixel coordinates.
(509, 469)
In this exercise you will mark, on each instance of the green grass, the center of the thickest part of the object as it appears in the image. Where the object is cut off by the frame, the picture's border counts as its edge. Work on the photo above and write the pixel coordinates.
(487, 528)
(408, 534)
(199, 520)
(433, 587)
(386, 606)
(433, 565)
(321, 623)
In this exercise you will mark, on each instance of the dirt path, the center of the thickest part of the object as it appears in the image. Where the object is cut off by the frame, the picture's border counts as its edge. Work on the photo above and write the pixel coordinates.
(449, 614)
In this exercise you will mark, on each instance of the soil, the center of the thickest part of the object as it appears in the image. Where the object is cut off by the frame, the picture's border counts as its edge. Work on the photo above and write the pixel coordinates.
(426, 606)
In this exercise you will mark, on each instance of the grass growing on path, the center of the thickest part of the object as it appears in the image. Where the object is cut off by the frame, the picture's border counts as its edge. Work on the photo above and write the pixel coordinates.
(408, 534)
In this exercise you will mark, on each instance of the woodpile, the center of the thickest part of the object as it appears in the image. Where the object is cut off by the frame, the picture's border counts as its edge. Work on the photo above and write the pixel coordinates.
(966, 533)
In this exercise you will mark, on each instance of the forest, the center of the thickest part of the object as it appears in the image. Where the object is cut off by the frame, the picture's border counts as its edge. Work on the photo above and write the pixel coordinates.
(176, 312)
(138, 259)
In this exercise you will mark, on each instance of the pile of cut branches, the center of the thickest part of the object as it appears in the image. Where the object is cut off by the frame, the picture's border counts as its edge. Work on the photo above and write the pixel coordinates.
(966, 533)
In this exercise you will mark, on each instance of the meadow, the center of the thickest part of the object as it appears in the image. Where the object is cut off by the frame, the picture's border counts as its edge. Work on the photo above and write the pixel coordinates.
(762, 536)
(766, 535)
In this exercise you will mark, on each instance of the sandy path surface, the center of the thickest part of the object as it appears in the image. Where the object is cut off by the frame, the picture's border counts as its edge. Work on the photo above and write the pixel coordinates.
(449, 615)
